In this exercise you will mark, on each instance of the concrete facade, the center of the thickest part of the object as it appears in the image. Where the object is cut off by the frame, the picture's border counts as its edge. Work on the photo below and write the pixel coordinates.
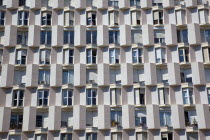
(104, 69)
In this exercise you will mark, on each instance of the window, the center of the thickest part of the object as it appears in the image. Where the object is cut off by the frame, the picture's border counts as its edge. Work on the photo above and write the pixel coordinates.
(46, 18)
(1, 2)
(68, 37)
(44, 77)
(192, 136)
(137, 55)
(45, 56)
(141, 136)
(91, 136)
(191, 118)
(91, 56)
(39, 121)
(67, 97)
(18, 97)
(16, 121)
(115, 95)
(160, 55)
(166, 136)
(91, 118)
(22, 38)
(2, 17)
(162, 76)
(66, 136)
(20, 77)
(116, 118)
(136, 36)
(41, 137)
(157, 2)
(68, 77)
(90, 3)
(158, 17)
(1, 38)
(113, 3)
(180, 17)
(114, 37)
(115, 76)
(23, 17)
(186, 75)
(183, 55)
(138, 76)
(203, 16)
(205, 35)
(159, 36)
(91, 96)
(163, 96)
(113, 18)
(134, 2)
(187, 96)
(116, 136)
(45, 37)
(208, 94)
(114, 56)
(68, 56)
(91, 37)
(21, 56)
(91, 18)
(165, 118)
(182, 36)
(91, 76)
(206, 54)
(140, 118)
(139, 96)
(68, 18)
(22, 2)
(43, 97)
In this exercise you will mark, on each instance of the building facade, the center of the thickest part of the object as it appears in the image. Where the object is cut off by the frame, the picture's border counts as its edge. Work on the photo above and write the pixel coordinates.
(104, 70)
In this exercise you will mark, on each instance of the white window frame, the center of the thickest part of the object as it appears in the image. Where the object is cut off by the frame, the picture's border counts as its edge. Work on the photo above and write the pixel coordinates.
(163, 97)
(23, 17)
(185, 55)
(70, 76)
(113, 3)
(90, 18)
(46, 19)
(68, 18)
(188, 97)
(137, 55)
(135, 3)
(91, 97)
(113, 18)
(116, 115)
(137, 96)
(43, 98)
(69, 40)
(91, 39)
(114, 56)
(44, 58)
(91, 59)
(93, 136)
(160, 55)
(69, 96)
(19, 101)
(47, 37)
(115, 96)
(183, 39)
(165, 121)
(68, 54)
(23, 36)
(136, 18)
(45, 78)
(20, 54)
(158, 17)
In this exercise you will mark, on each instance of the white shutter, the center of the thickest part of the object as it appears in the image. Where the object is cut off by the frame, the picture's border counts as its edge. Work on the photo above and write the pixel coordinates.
(156, 15)
(45, 123)
(113, 96)
(66, 18)
(118, 75)
(111, 18)
(114, 136)
(17, 79)
(134, 16)
(159, 34)
(42, 55)
(23, 79)
(206, 54)
(137, 97)
(161, 96)
(201, 16)
(116, 15)
(95, 121)
(158, 53)
(66, 56)
(118, 92)
(70, 121)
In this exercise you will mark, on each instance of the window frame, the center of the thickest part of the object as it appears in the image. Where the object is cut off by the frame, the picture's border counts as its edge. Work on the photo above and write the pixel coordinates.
(91, 96)
(18, 98)
(44, 97)
(68, 97)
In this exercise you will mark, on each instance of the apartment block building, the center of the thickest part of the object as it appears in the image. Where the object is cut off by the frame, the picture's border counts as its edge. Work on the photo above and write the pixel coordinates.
(104, 69)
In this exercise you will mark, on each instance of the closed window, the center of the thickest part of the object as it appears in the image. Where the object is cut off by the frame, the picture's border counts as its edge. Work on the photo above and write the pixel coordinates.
(187, 96)
(41, 137)
(159, 36)
(23, 18)
(91, 56)
(91, 18)
(113, 18)
(182, 36)
(113, 3)
(68, 77)
(18, 96)
(68, 37)
(116, 118)
(114, 37)
(16, 121)
(45, 56)
(43, 97)
(66, 136)
(91, 37)
(140, 118)
(46, 37)
(114, 56)
(137, 55)
(205, 35)
(2, 17)
(21, 56)
(134, 2)
(91, 136)
(68, 18)
(68, 56)
(165, 118)
(183, 55)
(44, 77)
(67, 97)
(163, 96)
(46, 18)
(91, 96)
(22, 38)
(158, 17)
(22, 2)
(20, 77)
